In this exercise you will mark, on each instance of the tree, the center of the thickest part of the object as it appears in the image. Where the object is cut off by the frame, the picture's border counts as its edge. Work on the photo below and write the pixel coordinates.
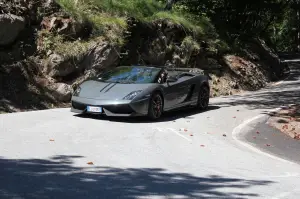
(169, 4)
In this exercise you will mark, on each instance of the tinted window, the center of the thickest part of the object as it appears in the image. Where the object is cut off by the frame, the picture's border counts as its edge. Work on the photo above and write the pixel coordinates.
(130, 75)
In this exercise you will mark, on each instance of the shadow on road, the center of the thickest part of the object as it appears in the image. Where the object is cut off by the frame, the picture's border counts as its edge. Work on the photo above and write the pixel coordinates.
(268, 100)
(294, 71)
(272, 97)
(187, 113)
(58, 178)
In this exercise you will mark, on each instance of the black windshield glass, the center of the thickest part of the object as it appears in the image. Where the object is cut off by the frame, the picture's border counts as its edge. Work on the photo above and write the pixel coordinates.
(130, 75)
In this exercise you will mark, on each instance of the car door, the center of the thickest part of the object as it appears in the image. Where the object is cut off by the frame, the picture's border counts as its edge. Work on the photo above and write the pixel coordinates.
(183, 87)
(175, 93)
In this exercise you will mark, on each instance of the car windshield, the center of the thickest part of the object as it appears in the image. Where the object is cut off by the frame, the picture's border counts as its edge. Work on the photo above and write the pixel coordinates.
(130, 75)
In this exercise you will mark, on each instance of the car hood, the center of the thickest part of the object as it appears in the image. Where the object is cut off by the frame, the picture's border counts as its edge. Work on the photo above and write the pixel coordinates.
(109, 91)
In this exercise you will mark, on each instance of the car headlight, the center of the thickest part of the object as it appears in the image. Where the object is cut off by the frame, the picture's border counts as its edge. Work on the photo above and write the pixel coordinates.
(77, 91)
(132, 95)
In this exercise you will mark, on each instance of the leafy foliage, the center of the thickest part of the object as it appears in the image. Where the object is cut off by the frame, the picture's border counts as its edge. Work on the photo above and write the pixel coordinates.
(217, 21)
(274, 20)
(109, 17)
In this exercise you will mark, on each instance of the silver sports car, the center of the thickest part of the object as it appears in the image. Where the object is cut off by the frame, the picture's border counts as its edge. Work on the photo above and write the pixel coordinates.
(141, 91)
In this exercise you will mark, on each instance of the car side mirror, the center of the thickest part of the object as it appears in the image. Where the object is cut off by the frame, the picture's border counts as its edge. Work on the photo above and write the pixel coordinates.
(171, 79)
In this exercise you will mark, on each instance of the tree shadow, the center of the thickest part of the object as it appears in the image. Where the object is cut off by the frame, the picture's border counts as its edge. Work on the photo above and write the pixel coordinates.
(289, 55)
(294, 71)
(187, 112)
(21, 90)
(268, 100)
(57, 177)
(271, 97)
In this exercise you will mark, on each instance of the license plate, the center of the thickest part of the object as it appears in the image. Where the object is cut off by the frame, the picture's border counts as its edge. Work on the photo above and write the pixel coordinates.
(94, 109)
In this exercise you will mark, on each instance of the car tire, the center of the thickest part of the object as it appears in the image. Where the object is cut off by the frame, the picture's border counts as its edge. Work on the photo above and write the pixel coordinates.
(155, 106)
(203, 98)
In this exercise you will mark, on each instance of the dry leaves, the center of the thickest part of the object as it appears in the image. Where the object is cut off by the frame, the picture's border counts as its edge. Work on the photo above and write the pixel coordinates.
(183, 129)
(285, 126)
(90, 163)
(290, 116)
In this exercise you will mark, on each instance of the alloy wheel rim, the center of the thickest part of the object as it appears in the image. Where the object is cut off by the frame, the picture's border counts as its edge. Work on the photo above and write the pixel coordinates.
(204, 97)
(157, 106)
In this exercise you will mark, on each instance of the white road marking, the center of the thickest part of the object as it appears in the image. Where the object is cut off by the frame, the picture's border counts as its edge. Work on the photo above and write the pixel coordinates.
(171, 130)
(237, 130)
(179, 134)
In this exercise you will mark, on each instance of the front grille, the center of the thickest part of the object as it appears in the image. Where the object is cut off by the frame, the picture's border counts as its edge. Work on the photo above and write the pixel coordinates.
(116, 109)
(78, 106)
(119, 109)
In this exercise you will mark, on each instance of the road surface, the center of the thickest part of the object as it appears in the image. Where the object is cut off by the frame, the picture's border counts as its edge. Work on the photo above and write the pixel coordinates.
(280, 144)
(54, 154)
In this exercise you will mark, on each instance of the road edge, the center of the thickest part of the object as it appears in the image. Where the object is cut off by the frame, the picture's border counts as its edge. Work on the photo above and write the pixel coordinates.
(237, 131)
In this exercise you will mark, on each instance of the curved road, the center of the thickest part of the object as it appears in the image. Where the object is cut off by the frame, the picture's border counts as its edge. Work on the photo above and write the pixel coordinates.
(53, 154)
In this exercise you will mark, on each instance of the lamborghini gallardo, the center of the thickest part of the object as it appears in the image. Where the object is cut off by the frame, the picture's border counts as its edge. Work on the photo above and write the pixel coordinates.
(141, 91)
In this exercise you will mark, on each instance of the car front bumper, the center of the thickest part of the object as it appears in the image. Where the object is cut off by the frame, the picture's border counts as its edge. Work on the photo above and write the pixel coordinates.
(111, 107)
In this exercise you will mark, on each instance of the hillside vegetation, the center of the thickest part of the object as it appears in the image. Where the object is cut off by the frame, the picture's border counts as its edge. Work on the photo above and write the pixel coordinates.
(110, 20)
(48, 47)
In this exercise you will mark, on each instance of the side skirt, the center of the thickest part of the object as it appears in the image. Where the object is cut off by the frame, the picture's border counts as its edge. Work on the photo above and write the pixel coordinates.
(184, 104)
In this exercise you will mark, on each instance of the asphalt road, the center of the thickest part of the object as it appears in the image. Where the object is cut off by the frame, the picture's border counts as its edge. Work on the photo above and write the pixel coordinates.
(45, 154)
(280, 144)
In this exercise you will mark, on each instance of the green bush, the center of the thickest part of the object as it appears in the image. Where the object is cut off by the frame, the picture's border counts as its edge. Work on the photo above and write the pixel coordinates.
(113, 14)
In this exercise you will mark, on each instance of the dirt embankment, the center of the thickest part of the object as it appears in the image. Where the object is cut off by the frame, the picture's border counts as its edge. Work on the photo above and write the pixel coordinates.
(287, 121)
(44, 56)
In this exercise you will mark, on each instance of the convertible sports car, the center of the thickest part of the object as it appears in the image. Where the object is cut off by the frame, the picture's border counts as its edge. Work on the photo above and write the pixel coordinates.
(141, 91)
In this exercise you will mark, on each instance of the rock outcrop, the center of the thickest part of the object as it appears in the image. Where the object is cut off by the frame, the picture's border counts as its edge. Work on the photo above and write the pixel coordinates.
(62, 92)
(101, 56)
(58, 66)
(66, 26)
(10, 28)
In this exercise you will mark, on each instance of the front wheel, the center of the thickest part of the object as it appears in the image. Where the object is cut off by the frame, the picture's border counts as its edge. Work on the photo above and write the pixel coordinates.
(155, 106)
(203, 98)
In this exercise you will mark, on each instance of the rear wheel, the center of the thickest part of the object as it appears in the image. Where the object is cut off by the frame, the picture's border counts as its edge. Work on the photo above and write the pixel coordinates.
(155, 106)
(203, 98)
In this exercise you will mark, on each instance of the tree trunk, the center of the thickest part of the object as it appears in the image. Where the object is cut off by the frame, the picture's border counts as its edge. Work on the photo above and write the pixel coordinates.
(169, 4)
(298, 29)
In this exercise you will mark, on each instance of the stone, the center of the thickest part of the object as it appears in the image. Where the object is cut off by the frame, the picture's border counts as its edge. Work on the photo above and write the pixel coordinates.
(58, 66)
(62, 92)
(66, 26)
(10, 28)
(101, 56)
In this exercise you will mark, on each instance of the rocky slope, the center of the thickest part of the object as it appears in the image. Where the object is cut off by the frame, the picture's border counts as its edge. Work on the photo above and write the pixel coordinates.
(45, 53)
